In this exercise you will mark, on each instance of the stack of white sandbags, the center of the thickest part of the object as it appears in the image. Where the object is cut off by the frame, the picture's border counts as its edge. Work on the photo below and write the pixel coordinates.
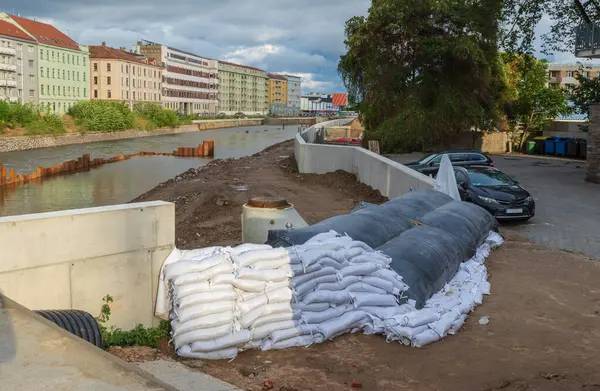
(222, 300)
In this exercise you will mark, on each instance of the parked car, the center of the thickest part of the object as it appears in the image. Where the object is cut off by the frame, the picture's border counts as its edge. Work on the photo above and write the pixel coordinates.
(430, 164)
(494, 191)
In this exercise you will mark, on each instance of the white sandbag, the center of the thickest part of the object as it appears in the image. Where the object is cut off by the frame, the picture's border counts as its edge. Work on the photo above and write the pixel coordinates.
(485, 287)
(457, 324)
(360, 299)
(206, 297)
(392, 276)
(248, 319)
(308, 286)
(275, 318)
(203, 322)
(314, 307)
(278, 295)
(189, 289)
(253, 344)
(223, 279)
(381, 283)
(330, 297)
(387, 312)
(223, 354)
(358, 244)
(323, 246)
(272, 264)
(242, 248)
(298, 330)
(221, 268)
(321, 316)
(404, 334)
(418, 318)
(201, 310)
(442, 326)
(339, 284)
(329, 262)
(246, 273)
(380, 259)
(303, 340)
(443, 304)
(202, 334)
(425, 338)
(359, 269)
(362, 287)
(336, 326)
(325, 237)
(354, 252)
(299, 280)
(465, 307)
(249, 285)
(234, 339)
(248, 258)
(267, 329)
(186, 266)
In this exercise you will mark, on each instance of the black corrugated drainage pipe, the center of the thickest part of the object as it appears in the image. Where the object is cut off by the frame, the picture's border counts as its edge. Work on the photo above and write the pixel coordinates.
(77, 322)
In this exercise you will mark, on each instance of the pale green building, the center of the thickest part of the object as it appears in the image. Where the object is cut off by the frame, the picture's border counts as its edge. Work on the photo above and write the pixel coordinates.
(242, 89)
(63, 66)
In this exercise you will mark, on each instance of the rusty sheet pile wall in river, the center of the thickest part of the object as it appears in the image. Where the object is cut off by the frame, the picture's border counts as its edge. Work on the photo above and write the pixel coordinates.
(85, 162)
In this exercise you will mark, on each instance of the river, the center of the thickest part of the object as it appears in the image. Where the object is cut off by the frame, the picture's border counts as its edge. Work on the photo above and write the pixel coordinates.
(123, 181)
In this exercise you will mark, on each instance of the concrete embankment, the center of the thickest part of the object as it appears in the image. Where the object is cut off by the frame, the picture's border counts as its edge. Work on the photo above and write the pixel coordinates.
(21, 143)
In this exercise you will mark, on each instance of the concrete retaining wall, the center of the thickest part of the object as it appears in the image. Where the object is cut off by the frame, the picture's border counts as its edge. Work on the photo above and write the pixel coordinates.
(21, 143)
(390, 178)
(72, 259)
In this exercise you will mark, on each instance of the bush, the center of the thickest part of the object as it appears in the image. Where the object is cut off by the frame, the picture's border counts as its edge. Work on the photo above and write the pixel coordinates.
(48, 124)
(17, 115)
(102, 115)
(157, 115)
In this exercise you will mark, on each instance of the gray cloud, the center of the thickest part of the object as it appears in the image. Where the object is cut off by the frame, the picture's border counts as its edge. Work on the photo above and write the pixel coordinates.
(277, 35)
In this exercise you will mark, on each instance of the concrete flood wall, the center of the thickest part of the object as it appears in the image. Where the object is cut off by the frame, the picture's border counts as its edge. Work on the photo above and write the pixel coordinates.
(72, 259)
(392, 179)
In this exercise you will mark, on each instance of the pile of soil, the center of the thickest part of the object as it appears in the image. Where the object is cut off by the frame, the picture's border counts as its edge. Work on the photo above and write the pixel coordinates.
(544, 322)
(209, 199)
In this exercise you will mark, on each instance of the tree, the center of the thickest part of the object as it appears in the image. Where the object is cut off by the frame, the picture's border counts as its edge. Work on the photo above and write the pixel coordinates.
(531, 104)
(584, 93)
(424, 70)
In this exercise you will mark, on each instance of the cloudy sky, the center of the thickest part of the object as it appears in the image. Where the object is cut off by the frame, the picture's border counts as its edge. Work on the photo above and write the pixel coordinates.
(298, 37)
(303, 37)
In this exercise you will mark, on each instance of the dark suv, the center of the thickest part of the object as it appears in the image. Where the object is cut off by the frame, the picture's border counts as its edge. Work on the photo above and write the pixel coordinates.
(431, 163)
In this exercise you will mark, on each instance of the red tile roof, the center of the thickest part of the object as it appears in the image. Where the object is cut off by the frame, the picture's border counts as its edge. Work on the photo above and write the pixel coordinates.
(104, 51)
(11, 30)
(241, 66)
(45, 33)
(276, 76)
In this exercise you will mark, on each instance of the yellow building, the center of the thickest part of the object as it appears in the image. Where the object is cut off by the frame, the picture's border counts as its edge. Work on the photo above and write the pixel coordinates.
(562, 75)
(278, 89)
(116, 74)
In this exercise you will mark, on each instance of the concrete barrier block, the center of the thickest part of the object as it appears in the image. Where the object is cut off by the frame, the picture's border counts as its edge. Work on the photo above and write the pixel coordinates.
(126, 277)
(39, 288)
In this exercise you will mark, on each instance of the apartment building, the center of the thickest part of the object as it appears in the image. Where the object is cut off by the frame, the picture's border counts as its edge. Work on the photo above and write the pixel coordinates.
(189, 82)
(18, 81)
(116, 74)
(242, 89)
(278, 89)
(294, 93)
(61, 71)
(562, 75)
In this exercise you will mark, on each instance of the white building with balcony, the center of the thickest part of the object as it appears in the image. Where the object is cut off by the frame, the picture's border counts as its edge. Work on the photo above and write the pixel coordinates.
(189, 83)
(18, 63)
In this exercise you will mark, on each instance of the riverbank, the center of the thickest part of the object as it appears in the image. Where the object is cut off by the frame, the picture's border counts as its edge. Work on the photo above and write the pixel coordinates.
(21, 143)
(544, 316)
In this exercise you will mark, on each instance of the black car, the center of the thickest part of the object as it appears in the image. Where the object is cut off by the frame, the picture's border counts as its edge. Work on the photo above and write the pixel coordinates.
(431, 163)
(494, 191)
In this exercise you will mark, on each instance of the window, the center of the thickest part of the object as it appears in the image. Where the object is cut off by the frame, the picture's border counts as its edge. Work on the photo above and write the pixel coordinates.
(73, 59)
(108, 80)
(133, 80)
(108, 67)
(53, 74)
(77, 75)
(47, 72)
(84, 92)
(458, 157)
(83, 61)
(144, 71)
(569, 73)
(41, 54)
(58, 74)
(63, 75)
(122, 82)
(133, 70)
(477, 157)
(63, 56)
(68, 59)
(122, 68)
(108, 94)
(47, 55)
(127, 94)
(68, 75)
(144, 96)
(155, 85)
(95, 80)
(19, 47)
(78, 91)
(42, 105)
(31, 78)
(31, 93)
(42, 89)
(586, 74)
(95, 93)
(84, 77)
(41, 71)
(58, 90)
(19, 62)
(69, 88)
(133, 95)
(77, 60)
(52, 55)
(95, 67)
(53, 90)
(144, 83)
(126, 81)
(122, 94)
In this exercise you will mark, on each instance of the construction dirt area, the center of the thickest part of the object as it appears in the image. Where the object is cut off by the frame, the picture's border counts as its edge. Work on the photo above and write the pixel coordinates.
(544, 310)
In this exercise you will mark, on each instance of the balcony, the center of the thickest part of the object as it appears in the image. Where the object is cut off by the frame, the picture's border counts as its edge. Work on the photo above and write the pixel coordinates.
(8, 83)
(8, 67)
(587, 41)
(7, 51)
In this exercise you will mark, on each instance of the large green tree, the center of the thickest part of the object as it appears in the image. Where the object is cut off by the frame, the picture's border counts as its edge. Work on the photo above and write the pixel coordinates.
(423, 70)
(531, 104)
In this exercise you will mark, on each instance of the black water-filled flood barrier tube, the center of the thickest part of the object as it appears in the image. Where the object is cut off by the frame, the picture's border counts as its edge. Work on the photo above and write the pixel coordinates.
(76, 322)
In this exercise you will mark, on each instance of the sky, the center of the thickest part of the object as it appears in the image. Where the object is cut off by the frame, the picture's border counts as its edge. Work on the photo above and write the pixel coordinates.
(304, 38)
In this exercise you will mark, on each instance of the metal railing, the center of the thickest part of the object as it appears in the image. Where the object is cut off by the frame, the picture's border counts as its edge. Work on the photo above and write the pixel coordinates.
(587, 37)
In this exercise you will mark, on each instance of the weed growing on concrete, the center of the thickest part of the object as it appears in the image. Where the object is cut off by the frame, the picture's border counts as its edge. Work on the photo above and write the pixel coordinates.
(139, 336)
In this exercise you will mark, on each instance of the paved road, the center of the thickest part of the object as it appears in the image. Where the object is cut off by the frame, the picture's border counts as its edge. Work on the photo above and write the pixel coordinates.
(567, 208)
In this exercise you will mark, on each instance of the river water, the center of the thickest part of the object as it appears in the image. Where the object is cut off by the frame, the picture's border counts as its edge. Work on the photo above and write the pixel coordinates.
(123, 181)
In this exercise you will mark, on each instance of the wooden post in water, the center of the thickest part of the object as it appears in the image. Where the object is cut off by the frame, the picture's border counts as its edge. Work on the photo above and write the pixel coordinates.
(11, 175)
(200, 150)
(2, 175)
